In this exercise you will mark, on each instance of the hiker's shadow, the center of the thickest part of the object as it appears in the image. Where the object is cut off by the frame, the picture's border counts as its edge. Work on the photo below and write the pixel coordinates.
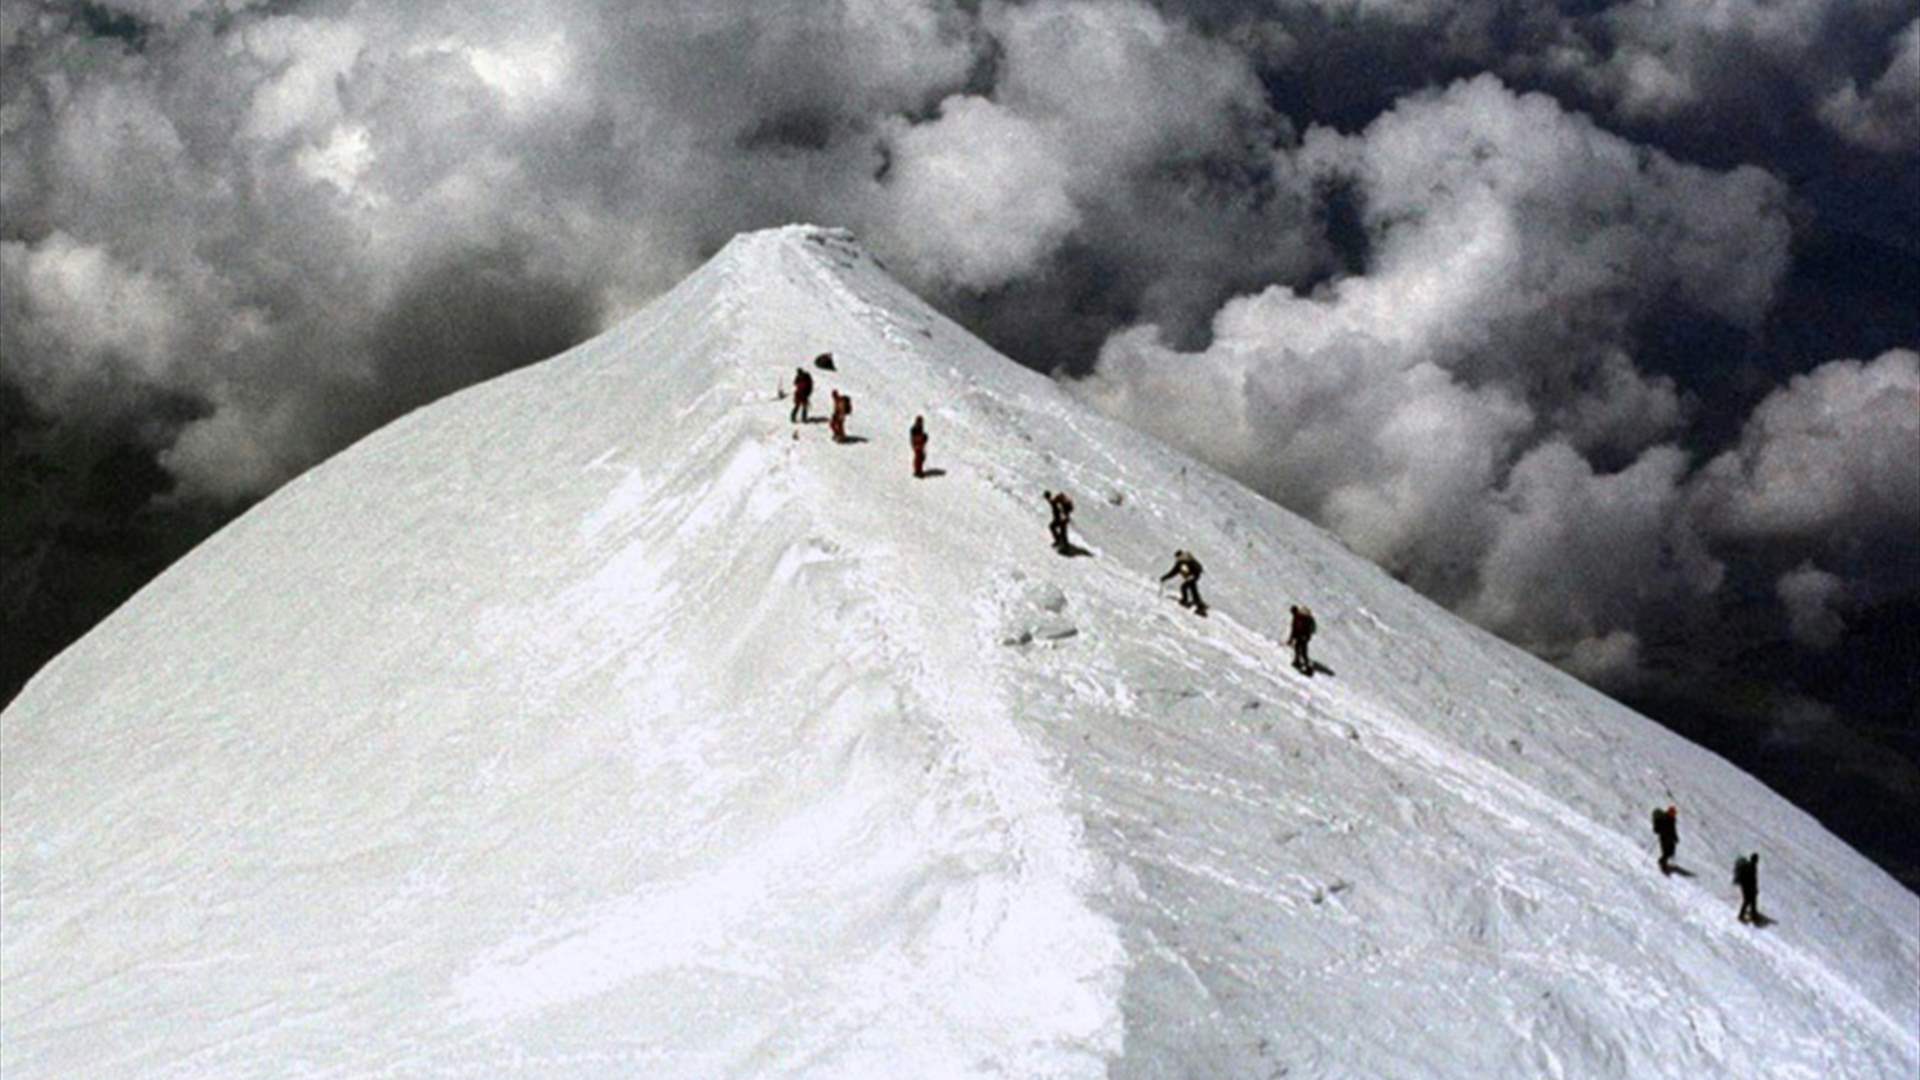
(1312, 669)
(1763, 921)
(1072, 550)
(853, 440)
(929, 474)
(1680, 871)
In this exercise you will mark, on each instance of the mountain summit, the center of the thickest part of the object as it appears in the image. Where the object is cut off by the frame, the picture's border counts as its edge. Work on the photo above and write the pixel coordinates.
(599, 721)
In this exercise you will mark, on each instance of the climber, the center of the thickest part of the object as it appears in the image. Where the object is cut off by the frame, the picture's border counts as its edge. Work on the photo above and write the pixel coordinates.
(1189, 570)
(802, 393)
(1666, 827)
(842, 408)
(1060, 504)
(1746, 874)
(917, 438)
(1299, 634)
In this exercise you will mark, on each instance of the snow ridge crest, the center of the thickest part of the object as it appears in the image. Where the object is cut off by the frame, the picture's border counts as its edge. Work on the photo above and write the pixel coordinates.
(604, 719)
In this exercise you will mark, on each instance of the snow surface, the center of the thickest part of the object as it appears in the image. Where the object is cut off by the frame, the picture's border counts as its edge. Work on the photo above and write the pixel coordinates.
(588, 722)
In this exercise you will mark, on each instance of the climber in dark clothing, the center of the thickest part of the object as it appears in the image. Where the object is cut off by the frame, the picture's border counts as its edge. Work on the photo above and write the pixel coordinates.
(1188, 569)
(842, 408)
(802, 393)
(917, 438)
(1746, 874)
(1666, 826)
(1060, 504)
(1299, 634)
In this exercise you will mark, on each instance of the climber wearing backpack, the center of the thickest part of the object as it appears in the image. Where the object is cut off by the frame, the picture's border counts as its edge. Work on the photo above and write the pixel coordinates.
(917, 438)
(1188, 569)
(1746, 874)
(802, 393)
(1299, 634)
(1666, 826)
(842, 408)
(1060, 504)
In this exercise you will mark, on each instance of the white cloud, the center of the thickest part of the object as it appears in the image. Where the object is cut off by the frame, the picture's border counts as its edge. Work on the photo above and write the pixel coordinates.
(1437, 411)
(525, 73)
(1887, 117)
(1487, 205)
(114, 144)
(341, 160)
(1836, 452)
(1612, 661)
(1119, 86)
(302, 60)
(267, 211)
(1644, 82)
(287, 177)
(1576, 555)
(977, 196)
(1660, 61)
(1389, 450)
(75, 317)
(1619, 409)
(230, 454)
(1090, 101)
(1811, 595)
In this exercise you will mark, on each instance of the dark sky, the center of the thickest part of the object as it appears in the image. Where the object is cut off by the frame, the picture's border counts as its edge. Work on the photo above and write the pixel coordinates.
(1595, 322)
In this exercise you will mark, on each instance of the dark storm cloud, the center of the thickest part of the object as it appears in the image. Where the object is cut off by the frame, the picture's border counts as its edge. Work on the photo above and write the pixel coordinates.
(1412, 268)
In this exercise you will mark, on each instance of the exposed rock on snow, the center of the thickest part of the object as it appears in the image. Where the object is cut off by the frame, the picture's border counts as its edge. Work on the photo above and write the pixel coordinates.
(589, 723)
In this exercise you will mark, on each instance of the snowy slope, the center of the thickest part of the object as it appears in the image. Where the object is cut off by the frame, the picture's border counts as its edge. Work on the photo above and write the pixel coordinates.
(590, 723)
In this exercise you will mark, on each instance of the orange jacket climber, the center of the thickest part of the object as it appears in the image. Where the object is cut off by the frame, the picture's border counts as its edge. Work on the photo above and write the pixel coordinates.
(842, 408)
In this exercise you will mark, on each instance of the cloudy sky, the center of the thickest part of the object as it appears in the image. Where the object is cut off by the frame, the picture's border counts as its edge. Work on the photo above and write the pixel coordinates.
(1595, 322)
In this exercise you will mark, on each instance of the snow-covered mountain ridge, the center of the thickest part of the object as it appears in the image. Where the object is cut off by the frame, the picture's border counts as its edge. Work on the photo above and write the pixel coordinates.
(589, 722)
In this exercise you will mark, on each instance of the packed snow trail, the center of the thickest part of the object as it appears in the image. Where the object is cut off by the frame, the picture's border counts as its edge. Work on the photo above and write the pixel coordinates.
(598, 721)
